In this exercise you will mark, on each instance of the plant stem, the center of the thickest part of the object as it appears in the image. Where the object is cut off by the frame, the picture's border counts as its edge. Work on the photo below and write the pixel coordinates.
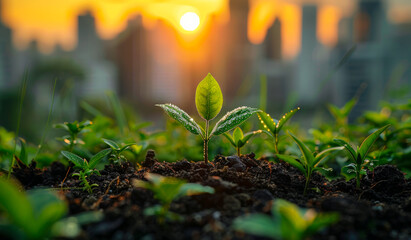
(306, 186)
(358, 177)
(306, 183)
(276, 144)
(206, 143)
(238, 151)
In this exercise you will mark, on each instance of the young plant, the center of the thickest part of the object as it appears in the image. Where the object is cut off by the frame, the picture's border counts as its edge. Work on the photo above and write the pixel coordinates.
(308, 163)
(116, 150)
(209, 100)
(341, 114)
(274, 126)
(288, 222)
(358, 156)
(238, 139)
(86, 168)
(31, 215)
(167, 189)
(73, 129)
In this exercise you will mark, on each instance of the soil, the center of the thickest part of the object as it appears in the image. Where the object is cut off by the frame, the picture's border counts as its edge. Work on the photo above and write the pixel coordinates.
(381, 209)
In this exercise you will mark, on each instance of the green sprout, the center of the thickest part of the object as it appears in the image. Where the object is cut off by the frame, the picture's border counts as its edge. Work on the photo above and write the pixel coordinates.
(116, 150)
(86, 168)
(209, 101)
(358, 156)
(73, 129)
(308, 162)
(239, 139)
(288, 222)
(341, 114)
(167, 189)
(31, 215)
(274, 126)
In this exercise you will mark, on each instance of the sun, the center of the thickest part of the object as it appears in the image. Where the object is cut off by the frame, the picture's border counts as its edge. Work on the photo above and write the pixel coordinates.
(190, 21)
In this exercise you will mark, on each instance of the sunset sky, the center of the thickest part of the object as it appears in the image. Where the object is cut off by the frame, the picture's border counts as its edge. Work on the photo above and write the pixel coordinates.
(54, 22)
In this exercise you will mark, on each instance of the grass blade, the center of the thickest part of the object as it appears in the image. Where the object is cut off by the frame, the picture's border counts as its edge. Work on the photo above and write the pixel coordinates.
(21, 101)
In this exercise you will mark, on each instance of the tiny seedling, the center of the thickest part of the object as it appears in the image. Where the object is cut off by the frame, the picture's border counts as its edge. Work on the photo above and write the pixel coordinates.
(341, 114)
(358, 157)
(308, 163)
(116, 150)
(28, 215)
(167, 189)
(274, 126)
(86, 168)
(288, 222)
(238, 139)
(209, 101)
(73, 129)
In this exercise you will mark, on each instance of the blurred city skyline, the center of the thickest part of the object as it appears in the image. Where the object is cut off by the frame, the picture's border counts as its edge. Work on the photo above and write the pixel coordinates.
(52, 23)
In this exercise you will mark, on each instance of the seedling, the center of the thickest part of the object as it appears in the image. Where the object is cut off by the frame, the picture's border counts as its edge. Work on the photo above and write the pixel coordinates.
(31, 215)
(341, 114)
(116, 150)
(288, 222)
(308, 163)
(358, 157)
(238, 139)
(86, 168)
(274, 126)
(209, 100)
(73, 129)
(167, 189)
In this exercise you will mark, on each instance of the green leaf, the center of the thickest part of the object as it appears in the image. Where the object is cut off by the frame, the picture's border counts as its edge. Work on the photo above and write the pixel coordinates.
(96, 158)
(267, 121)
(62, 125)
(247, 137)
(190, 189)
(351, 152)
(15, 204)
(23, 153)
(291, 219)
(209, 98)
(320, 156)
(48, 210)
(293, 162)
(127, 146)
(335, 111)
(238, 135)
(111, 143)
(258, 224)
(233, 119)
(321, 221)
(181, 117)
(307, 154)
(369, 141)
(230, 138)
(285, 119)
(346, 109)
(78, 161)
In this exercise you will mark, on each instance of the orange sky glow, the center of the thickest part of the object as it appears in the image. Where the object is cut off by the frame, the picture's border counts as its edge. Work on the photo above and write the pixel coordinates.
(54, 22)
